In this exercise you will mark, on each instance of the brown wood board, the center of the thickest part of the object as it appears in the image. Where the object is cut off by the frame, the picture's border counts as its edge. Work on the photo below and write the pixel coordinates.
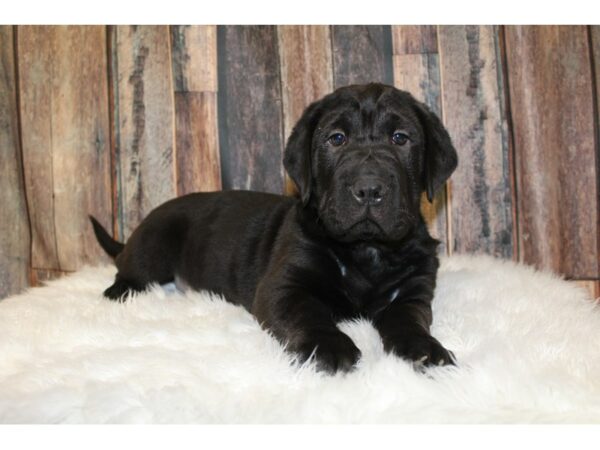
(473, 109)
(306, 72)
(145, 135)
(14, 232)
(64, 110)
(250, 112)
(552, 109)
(361, 54)
(194, 53)
(419, 74)
(414, 39)
(198, 163)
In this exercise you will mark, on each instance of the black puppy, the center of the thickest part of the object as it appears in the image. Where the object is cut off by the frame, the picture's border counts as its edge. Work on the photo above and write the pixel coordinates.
(354, 244)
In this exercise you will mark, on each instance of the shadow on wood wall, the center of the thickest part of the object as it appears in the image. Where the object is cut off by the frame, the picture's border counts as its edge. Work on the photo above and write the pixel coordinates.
(113, 121)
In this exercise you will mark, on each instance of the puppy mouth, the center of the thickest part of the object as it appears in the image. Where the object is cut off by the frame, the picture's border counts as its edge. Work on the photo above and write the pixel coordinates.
(364, 229)
(367, 224)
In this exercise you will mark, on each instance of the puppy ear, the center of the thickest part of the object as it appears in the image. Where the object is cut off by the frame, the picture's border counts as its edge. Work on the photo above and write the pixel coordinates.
(440, 156)
(297, 155)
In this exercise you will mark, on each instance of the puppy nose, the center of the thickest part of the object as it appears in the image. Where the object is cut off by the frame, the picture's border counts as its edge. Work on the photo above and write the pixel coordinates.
(368, 191)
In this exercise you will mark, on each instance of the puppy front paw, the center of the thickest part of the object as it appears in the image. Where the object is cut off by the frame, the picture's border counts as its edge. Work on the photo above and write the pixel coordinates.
(419, 347)
(334, 351)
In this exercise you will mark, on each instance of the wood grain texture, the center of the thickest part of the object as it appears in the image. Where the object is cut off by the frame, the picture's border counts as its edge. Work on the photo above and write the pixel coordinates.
(198, 163)
(473, 107)
(306, 72)
(419, 74)
(194, 54)
(414, 39)
(14, 229)
(250, 113)
(64, 110)
(595, 43)
(591, 286)
(39, 277)
(145, 137)
(361, 54)
(194, 51)
(557, 183)
(157, 123)
(35, 50)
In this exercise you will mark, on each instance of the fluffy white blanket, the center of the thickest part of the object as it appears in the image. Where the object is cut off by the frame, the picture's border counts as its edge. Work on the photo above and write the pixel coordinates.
(527, 343)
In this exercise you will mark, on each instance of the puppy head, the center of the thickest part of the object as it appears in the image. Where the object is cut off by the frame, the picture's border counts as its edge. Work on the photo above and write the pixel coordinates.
(362, 156)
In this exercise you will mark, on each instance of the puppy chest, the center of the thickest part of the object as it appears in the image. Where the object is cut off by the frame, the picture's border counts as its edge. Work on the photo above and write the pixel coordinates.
(369, 281)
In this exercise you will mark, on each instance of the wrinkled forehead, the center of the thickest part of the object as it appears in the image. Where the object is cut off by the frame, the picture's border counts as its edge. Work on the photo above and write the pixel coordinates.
(348, 110)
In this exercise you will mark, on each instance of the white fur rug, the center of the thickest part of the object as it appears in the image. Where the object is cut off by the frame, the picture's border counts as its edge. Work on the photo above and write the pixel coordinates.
(527, 343)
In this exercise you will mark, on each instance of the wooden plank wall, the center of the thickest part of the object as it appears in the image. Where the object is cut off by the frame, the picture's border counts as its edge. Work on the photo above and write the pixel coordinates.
(14, 228)
(553, 110)
(194, 54)
(145, 129)
(250, 113)
(114, 120)
(417, 70)
(63, 92)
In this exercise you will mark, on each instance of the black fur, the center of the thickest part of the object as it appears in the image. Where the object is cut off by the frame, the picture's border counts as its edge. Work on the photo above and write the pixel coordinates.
(355, 244)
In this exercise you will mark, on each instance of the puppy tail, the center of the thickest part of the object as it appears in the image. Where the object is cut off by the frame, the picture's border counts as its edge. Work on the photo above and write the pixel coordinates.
(110, 246)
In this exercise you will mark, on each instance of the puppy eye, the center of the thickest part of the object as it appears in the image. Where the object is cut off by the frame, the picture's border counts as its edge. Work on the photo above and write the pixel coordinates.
(337, 139)
(399, 138)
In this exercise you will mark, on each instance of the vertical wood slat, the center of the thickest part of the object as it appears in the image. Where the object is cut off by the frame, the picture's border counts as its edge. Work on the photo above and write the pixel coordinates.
(250, 113)
(595, 54)
(14, 228)
(41, 276)
(414, 39)
(191, 83)
(35, 53)
(591, 286)
(306, 72)
(194, 53)
(361, 54)
(416, 70)
(557, 183)
(198, 161)
(473, 109)
(145, 136)
(64, 108)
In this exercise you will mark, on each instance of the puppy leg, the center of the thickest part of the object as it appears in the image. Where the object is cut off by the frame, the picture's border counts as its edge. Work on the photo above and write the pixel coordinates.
(404, 323)
(404, 329)
(304, 324)
(120, 289)
(150, 256)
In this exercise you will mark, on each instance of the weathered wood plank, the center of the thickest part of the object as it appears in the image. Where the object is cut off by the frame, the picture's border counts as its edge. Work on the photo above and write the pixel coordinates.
(414, 39)
(145, 114)
(557, 183)
(473, 109)
(35, 79)
(361, 54)
(591, 286)
(194, 58)
(419, 74)
(194, 53)
(306, 72)
(250, 121)
(39, 277)
(595, 41)
(198, 164)
(14, 233)
(64, 110)
(113, 112)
